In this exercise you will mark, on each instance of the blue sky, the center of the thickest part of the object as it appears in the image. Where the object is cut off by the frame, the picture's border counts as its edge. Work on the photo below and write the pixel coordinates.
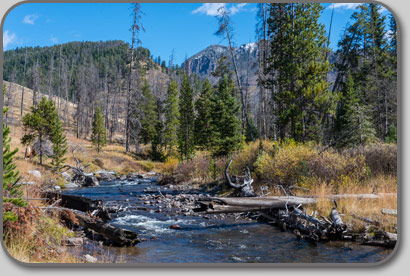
(187, 28)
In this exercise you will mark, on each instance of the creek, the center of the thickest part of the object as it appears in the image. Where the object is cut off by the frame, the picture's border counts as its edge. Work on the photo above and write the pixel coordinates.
(204, 238)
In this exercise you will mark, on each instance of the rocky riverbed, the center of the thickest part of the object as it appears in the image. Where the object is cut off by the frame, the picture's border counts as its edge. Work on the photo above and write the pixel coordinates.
(172, 232)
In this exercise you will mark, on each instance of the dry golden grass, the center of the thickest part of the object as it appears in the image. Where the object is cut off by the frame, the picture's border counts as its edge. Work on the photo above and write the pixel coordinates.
(12, 100)
(40, 241)
(112, 157)
(367, 208)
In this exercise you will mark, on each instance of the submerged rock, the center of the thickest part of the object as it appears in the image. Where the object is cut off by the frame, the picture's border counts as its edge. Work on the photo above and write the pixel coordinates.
(175, 227)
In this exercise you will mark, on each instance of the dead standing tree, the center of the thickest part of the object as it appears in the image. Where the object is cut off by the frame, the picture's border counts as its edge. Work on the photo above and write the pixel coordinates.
(244, 188)
(225, 31)
(135, 28)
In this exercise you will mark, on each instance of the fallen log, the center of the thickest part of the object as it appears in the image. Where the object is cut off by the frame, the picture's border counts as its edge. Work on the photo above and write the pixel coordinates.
(380, 238)
(80, 203)
(361, 196)
(223, 209)
(389, 212)
(115, 235)
(270, 202)
(368, 220)
(308, 218)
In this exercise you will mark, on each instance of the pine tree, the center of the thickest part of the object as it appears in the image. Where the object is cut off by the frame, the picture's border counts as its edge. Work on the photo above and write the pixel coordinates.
(157, 153)
(366, 52)
(202, 127)
(171, 117)
(12, 191)
(39, 125)
(59, 141)
(186, 121)
(297, 70)
(352, 125)
(225, 125)
(99, 136)
(149, 114)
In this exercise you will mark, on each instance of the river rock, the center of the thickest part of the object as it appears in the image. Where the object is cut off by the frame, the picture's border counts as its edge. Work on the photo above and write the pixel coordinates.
(105, 176)
(35, 173)
(90, 259)
(73, 241)
(134, 176)
(71, 185)
(175, 227)
(91, 181)
(66, 176)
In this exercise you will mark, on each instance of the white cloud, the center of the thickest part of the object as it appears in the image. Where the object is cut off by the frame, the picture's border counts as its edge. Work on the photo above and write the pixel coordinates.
(237, 8)
(345, 6)
(352, 6)
(30, 19)
(8, 38)
(212, 9)
(209, 8)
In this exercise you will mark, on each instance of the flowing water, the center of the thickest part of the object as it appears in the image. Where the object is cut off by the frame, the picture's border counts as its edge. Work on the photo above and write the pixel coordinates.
(208, 239)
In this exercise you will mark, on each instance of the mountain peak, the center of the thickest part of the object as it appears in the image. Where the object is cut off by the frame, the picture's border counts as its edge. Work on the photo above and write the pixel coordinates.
(205, 61)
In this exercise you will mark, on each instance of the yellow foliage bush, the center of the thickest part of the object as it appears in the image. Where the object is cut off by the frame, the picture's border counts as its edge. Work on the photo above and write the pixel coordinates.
(170, 165)
(303, 165)
(249, 154)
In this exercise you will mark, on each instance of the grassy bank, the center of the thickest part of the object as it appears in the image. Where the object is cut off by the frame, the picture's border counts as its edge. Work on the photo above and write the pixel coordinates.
(309, 170)
(39, 237)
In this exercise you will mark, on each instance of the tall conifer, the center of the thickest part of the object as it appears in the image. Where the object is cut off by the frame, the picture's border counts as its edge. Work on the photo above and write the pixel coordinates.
(186, 126)
(149, 114)
(171, 117)
(203, 133)
(99, 136)
(225, 125)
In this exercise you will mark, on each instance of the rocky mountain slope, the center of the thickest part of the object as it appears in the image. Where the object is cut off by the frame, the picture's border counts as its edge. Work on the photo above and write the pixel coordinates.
(205, 62)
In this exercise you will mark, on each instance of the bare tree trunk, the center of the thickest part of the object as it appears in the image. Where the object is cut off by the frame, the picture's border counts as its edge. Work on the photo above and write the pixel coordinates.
(23, 82)
(224, 27)
(50, 76)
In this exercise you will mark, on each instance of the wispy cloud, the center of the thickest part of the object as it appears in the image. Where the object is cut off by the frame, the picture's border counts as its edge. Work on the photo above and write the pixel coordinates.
(212, 9)
(53, 39)
(209, 8)
(345, 6)
(30, 19)
(353, 6)
(237, 8)
(8, 38)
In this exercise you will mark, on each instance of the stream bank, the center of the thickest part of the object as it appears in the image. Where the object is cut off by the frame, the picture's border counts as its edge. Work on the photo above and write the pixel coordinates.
(172, 233)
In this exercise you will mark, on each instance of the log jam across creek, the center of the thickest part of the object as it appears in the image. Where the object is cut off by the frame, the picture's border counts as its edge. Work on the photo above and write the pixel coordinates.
(172, 233)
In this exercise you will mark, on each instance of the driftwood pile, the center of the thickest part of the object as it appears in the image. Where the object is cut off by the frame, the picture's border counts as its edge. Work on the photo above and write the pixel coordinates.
(92, 216)
(80, 177)
(287, 213)
(243, 184)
